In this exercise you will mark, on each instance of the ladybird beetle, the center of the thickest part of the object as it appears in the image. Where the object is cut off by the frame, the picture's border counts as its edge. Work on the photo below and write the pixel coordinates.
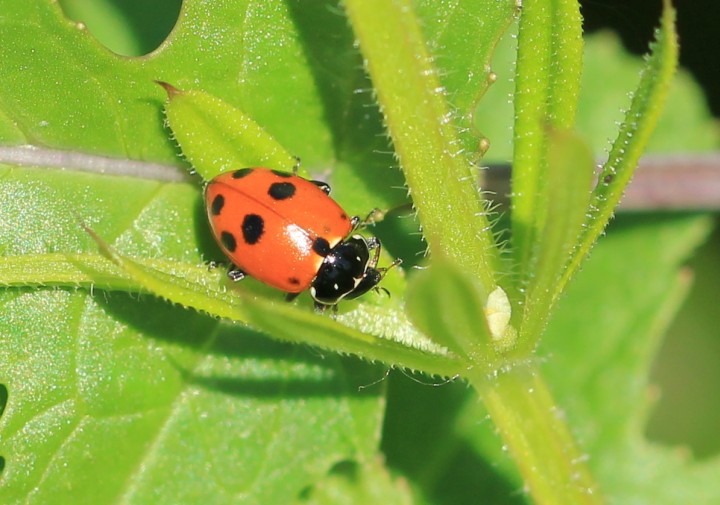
(287, 232)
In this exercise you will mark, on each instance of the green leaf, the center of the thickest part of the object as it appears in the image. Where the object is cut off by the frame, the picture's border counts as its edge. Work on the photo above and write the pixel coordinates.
(130, 28)
(62, 89)
(600, 371)
(632, 314)
(426, 146)
(349, 484)
(449, 307)
(634, 134)
(158, 404)
(129, 391)
(464, 36)
(216, 137)
(602, 101)
(90, 374)
(105, 378)
(126, 391)
(569, 177)
(547, 85)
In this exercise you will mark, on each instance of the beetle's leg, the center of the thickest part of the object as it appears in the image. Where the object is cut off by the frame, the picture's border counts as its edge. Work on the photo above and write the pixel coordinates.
(374, 244)
(235, 274)
(383, 271)
(391, 265)
(324, 186)
(374, 216)
(377, 289)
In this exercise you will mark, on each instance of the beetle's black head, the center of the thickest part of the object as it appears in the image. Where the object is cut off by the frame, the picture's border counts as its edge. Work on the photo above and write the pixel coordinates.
(345, 273)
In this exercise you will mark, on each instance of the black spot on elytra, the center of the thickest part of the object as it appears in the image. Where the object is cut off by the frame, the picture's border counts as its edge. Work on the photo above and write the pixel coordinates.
(321, 247)
(281, 190)
(253, 227)
(228, 241)
(280, 173)
(243, 172)
(217, 205)
(294, 281)
(343, 216)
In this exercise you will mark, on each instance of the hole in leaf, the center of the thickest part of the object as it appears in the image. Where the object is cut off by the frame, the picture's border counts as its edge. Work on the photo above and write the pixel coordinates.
(3, 398)
(126, 27)
(345, 470)
(348, 469)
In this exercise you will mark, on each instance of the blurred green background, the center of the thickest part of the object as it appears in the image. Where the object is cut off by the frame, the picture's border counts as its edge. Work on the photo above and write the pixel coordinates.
(687, 370)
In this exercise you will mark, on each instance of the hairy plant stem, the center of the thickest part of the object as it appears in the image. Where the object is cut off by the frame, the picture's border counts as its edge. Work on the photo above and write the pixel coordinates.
(417, 117)
(534, 431)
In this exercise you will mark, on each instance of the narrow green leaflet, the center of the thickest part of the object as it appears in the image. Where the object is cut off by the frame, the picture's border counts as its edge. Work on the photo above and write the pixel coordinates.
(547, 85)
(569, 177)
(281, 321)
(449, 308)
(427, 147)
(634, 134)
(216, 137)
